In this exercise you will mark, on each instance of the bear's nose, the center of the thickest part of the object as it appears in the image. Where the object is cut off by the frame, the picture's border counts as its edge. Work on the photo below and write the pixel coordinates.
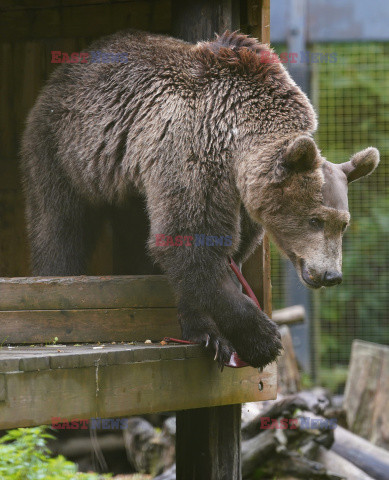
(332, 278)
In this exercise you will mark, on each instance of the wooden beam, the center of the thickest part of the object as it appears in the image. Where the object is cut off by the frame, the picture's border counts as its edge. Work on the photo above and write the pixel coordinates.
(195, 20)
(208, 441)
(37, 384)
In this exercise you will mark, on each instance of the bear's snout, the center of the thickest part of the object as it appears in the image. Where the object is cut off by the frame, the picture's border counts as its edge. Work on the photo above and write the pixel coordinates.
(315, 279)
(332, 278)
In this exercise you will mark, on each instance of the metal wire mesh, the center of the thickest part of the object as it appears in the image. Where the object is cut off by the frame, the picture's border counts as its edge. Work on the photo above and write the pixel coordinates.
(352, 100)
(352, 97)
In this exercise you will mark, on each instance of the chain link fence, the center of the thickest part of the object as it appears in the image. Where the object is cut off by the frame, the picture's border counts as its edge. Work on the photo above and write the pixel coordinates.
(351, 96)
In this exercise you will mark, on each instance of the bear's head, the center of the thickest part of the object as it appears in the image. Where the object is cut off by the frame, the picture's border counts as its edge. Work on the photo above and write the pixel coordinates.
(266, 121)
(301, 200)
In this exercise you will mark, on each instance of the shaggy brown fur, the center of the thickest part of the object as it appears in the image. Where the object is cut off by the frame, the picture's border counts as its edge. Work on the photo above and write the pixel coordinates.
(217, 142)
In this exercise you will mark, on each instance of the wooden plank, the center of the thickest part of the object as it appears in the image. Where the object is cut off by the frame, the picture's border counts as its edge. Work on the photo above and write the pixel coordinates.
(57, 293)
(89, 325)
(74, 326)
(123, 308)
(257, 272)
(69, 20)
(43, 4)
(145, 379)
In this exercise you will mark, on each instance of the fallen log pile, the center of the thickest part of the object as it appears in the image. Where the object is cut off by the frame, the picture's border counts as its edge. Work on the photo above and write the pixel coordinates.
(291, 439)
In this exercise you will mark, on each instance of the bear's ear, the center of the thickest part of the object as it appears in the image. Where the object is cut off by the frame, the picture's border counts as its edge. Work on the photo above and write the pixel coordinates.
(302, 155)
(361, 164)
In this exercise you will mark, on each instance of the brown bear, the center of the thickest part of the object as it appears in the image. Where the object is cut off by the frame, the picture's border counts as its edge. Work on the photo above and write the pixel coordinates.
(219, 144)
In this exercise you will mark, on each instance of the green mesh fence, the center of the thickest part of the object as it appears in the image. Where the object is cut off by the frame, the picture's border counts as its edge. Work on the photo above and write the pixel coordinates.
(352, 100)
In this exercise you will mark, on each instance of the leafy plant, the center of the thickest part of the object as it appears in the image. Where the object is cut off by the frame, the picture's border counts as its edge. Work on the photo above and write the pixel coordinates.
(24, 455)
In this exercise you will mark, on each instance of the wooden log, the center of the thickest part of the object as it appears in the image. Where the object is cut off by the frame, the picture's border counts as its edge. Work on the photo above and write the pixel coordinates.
(371, 459)
(289, 315)
(170, 474)
(294, 465)
(339, 465)
(267, 452)
(79, 447)
(366, 396)
(305, 401)
(257, 450)
(145, 447)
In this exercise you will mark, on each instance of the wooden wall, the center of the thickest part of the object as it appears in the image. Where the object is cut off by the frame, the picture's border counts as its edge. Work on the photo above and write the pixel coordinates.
(29, 31)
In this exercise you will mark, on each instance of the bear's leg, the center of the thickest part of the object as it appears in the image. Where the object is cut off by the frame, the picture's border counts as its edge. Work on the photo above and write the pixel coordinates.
(251, 333)
(210, 303)
(255, 337)
(62, 230)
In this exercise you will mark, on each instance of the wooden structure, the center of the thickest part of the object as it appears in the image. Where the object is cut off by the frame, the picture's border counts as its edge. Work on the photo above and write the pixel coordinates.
(37, 383)
(366, 397)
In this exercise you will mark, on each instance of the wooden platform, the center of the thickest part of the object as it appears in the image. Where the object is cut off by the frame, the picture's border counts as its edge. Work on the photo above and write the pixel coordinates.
(38, 384)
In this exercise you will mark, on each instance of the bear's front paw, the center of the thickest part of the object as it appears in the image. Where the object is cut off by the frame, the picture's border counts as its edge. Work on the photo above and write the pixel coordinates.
(204, 331)
(254, 336)
(260, 345)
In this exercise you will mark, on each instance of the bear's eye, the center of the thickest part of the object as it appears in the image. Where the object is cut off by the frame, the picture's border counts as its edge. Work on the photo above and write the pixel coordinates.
(344, 227)
(316, 223)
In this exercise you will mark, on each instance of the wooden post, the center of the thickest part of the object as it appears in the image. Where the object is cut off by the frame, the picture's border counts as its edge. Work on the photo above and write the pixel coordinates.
(257, 268)
(208, 443)
(208, 440)
(195, 20)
